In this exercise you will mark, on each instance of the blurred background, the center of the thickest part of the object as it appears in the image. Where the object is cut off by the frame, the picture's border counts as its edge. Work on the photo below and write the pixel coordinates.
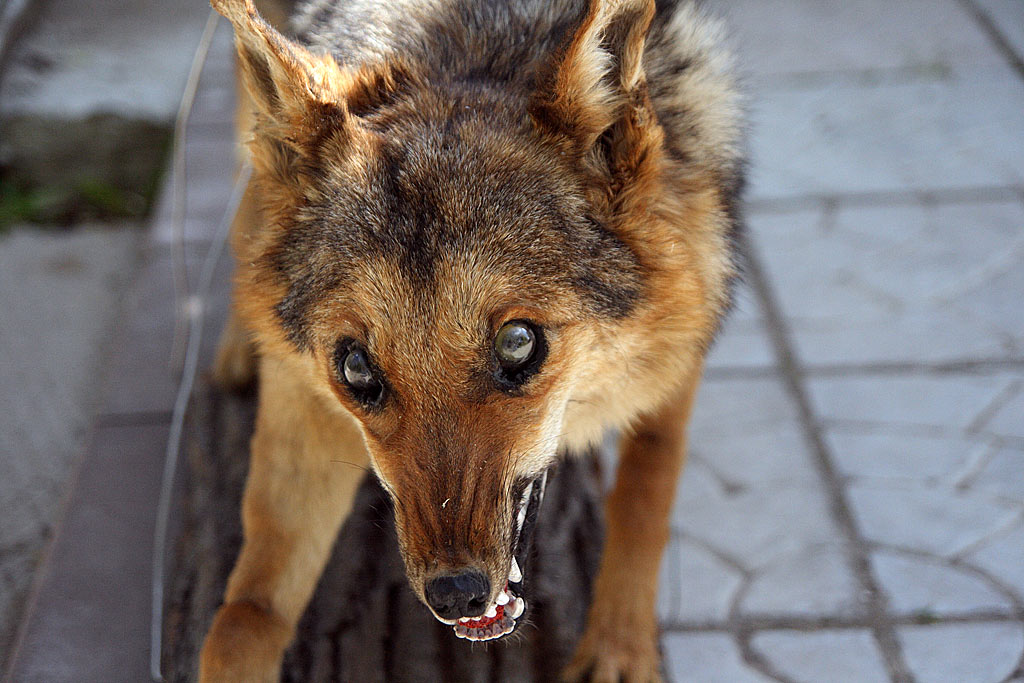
(854, 505)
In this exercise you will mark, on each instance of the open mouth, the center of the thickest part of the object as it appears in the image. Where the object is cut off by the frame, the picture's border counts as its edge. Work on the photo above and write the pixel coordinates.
(500, 617)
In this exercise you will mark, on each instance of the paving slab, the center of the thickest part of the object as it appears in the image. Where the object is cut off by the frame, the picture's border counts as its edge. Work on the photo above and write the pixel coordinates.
(1000, 475)
(1009, 418)
(915, 457)
(962, 653)
(809, 36)
(742, 343)
(926, 134)
(1008, 18)
(826, 655)
(932, 519)
(60, 295)
(909, 283)
(697, 586)
(813, 581)
(1002, 556)
(708, 658)
(920, 403)
(211, 152)
(90, 614)
(918, 585)
(756, 527)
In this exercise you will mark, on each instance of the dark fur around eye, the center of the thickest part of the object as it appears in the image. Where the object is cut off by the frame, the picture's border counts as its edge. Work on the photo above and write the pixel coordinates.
(511, 379)
(371, 390)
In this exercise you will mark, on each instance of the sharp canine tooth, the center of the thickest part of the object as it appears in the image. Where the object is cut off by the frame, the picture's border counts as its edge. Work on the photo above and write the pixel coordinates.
(526, 496)
(517, 608)
(491, 612)
(515, 575)
(502, 598)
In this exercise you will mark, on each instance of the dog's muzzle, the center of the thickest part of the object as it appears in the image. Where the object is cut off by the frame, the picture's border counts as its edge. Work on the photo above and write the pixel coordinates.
(500, 617)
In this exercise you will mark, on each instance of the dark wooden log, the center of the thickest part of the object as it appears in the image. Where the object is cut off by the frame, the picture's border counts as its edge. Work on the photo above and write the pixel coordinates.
(363, 623)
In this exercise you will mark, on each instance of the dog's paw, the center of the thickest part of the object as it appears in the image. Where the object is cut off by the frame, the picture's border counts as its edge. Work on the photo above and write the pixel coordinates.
(245, 643)
(610, 654)
(611, 657)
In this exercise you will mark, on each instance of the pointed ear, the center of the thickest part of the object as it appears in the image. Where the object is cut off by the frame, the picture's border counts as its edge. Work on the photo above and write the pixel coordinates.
(592, 83)
(283, 78)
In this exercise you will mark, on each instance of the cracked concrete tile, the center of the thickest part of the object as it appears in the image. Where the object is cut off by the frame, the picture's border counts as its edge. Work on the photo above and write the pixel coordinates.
(1002, 475)
(1003, 557)
(747, 460)
(1009, 420)
(696, 586)
(920, 585)
(706, 657)
(814, 36)
(743, 340)
(882, 135)
(906, 456)
(900, 284)
(1008, 16)
(932, 519)
(826, 655)
(741, 344)
(60, 293)
(16, 567)
(758, 525)
(962, 653)
(740, 406)
(814, 581)
(945, 403)
(751, 491)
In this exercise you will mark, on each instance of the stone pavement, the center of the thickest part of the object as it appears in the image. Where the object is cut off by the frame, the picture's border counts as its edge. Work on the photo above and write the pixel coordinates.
(854, 505)
(853, 509)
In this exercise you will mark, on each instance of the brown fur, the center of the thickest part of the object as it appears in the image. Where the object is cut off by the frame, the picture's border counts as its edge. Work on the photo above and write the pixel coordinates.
(406, 198)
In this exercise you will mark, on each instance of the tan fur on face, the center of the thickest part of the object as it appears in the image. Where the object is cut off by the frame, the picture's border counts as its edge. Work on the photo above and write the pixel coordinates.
(601, 373)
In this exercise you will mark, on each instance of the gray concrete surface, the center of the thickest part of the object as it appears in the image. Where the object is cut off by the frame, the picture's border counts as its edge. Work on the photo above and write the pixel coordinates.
(856, 513)
(59, 296)
(88, 94)
(90, 91)
(853, 509)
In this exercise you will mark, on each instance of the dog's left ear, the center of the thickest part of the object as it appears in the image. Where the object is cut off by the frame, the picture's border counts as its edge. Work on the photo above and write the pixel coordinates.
(597, 81)
(302, 100)
(283, 78)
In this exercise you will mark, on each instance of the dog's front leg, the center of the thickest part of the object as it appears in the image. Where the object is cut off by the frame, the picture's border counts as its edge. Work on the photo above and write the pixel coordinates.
(620, 640)
(307, 462)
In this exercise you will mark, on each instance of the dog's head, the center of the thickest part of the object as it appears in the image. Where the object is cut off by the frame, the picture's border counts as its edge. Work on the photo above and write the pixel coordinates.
(458, 259)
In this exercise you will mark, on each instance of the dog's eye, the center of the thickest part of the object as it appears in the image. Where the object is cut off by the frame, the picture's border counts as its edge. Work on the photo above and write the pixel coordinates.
(519, 350)
(359, 374)
(514, 344)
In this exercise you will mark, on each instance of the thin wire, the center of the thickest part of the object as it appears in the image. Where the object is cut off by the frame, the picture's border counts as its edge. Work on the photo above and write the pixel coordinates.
(190, 309)
(179, 176)
(197, 310)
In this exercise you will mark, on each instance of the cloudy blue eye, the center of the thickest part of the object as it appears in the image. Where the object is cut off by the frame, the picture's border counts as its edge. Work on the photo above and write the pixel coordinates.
(519, 351)
(357, 370)
(359, 374)
(514, 344)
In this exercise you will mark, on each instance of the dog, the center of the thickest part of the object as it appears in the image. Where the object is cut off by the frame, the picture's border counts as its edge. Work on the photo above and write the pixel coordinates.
(479, 235)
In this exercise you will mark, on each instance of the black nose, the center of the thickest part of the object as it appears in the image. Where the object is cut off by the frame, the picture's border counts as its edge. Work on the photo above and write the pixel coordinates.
(458, 595)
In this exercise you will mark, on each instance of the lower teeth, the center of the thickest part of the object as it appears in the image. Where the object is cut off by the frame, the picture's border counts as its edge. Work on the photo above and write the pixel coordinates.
(489, 632)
